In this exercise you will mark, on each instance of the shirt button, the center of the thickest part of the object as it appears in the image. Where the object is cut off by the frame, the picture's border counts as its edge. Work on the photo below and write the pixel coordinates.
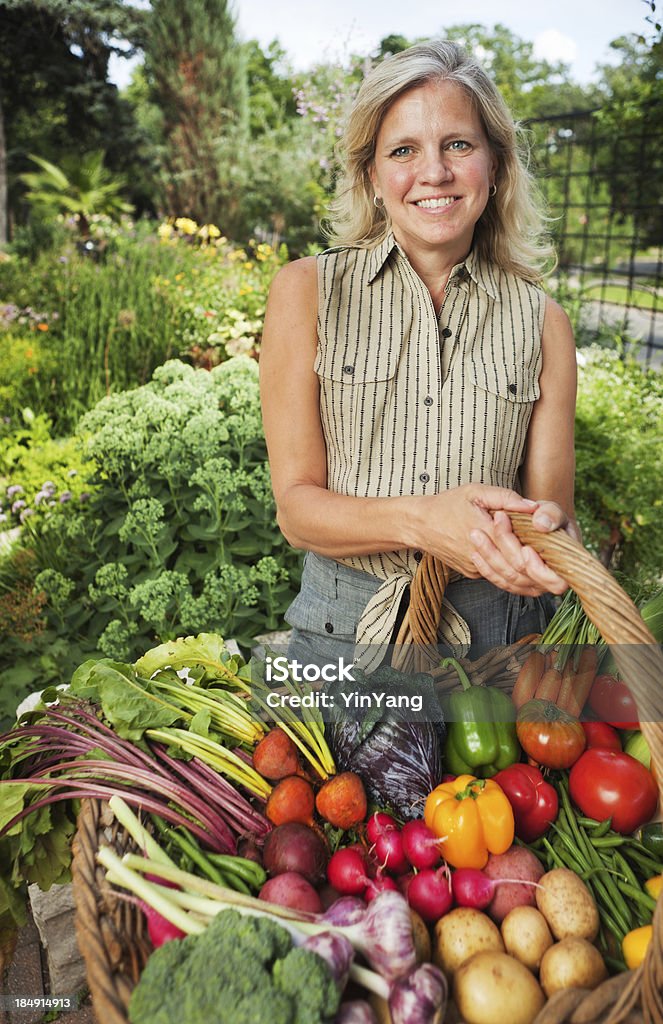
(424, 477)
(418, 555)
(513, 388)
(428, 400)
(447, 332)
(348, 369)
(329, 627)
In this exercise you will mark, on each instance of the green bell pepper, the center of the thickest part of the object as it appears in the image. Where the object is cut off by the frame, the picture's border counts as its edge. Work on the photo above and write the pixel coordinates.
(481, 730)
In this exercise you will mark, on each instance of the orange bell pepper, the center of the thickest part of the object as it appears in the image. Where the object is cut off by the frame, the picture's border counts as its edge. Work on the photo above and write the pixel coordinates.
(472, 818)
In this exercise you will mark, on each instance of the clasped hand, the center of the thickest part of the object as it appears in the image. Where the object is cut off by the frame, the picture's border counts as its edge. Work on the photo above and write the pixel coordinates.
(483, 543)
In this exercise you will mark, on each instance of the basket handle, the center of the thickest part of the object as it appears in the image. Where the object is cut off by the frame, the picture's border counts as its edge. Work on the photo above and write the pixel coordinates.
(636, 653)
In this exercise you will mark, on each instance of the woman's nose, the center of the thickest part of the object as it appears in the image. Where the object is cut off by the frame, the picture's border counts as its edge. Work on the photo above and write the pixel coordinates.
(435, 167)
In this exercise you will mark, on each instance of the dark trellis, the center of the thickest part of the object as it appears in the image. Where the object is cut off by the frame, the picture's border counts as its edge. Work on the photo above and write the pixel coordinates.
(603, 191)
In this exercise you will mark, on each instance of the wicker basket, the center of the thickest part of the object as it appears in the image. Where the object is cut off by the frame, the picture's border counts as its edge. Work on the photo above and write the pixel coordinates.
(111, 933)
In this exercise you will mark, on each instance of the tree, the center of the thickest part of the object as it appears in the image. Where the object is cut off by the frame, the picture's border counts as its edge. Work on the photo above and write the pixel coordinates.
(198, 76)
(54, 94)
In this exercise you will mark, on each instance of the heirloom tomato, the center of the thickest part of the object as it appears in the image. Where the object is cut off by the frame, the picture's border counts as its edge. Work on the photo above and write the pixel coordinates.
(607, 784)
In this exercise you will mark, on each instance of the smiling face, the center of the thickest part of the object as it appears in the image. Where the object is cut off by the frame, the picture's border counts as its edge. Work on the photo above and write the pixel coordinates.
(433, 168)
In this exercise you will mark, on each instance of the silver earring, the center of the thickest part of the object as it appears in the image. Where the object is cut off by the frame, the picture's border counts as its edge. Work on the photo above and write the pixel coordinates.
(492, 191)
(378, 203)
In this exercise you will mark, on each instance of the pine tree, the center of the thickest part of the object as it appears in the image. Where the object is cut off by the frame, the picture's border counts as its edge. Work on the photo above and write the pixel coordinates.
(198, 71)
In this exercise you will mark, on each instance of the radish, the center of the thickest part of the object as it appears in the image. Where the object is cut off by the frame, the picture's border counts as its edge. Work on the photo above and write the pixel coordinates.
(378, 823)
(429, 893)
(389, 852)
(378, 885)
(473, 888)
(420, 845)
(159, 928)
(346, 872)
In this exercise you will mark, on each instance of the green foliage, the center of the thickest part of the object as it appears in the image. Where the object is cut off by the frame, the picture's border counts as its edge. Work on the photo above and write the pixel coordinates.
(619, 451)
(258, 975)
(80, 186)
(177, 536)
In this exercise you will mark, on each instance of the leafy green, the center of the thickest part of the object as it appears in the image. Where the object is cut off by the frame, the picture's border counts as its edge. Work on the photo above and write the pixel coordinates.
(126, 701)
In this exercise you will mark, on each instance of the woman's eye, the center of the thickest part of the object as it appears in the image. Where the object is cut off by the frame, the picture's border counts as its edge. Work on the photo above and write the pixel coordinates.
(402, 151)
(459, 144)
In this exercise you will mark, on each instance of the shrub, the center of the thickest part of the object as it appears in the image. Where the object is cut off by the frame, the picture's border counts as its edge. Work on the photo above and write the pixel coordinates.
(179, 533)
(619, 453)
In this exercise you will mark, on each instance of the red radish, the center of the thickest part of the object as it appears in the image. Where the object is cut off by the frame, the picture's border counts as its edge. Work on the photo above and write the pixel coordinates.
(346, 872)
(403, 882)
(159, 928)
(378, 823)
(389, 852)
(473, 888)
(429, 893)
(420, 845)
(378, 885)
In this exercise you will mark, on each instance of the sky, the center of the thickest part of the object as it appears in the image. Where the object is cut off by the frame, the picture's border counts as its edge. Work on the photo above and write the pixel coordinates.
(576, 31)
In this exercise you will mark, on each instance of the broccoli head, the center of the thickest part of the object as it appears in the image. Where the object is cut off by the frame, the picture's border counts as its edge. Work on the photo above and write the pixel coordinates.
(240, 970)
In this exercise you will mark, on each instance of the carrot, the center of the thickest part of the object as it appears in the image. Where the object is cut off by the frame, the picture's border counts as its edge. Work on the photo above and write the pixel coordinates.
(342, 800)
(549, 685)
(275, 757)
(528, 678)
(576, 693)
(292, 799)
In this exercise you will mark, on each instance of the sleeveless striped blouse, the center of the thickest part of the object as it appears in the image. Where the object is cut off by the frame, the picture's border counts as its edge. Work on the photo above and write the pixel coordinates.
(413, 403)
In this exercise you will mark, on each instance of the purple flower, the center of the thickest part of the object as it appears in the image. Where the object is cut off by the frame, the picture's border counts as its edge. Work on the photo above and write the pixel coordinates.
(14, 490)
(41, 496)
(25, 513)
(72, 472)
(85, 496)
(18, 505)
(48, 486)
(65, 496)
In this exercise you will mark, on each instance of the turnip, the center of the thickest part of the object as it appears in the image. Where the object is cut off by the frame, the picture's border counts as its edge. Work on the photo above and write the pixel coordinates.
(346, 871)
(420, 845)
(295, 847)
(429, 893)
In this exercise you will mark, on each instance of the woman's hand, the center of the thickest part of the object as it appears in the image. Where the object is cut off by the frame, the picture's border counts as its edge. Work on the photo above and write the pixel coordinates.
(503, 560)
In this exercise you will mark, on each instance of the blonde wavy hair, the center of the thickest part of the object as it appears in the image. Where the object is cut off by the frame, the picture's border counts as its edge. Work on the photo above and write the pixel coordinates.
(511, 231)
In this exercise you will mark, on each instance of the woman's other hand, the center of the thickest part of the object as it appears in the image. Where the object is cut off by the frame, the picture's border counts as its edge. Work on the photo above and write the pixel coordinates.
(503, 560)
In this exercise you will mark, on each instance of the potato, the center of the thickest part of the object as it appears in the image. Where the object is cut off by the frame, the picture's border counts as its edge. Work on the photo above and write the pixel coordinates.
(526, 935)
(461, 933)
(494, 988)
(421, 936)
(571, 963)
(567, 905)
(516, 863)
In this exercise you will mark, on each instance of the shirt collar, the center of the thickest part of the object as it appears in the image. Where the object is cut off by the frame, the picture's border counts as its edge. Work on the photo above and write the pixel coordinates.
(479, 271)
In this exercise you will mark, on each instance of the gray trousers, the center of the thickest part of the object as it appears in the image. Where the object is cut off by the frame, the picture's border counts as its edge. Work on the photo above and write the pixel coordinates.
(325, 613)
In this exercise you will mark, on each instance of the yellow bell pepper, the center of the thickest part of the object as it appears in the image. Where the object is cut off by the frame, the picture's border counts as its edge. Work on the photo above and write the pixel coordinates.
(654, 886)
(472, 818)
(634, 945)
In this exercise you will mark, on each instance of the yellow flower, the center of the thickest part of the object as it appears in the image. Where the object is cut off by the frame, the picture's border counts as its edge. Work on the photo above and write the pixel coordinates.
(186, 225)
(248, 265)
(209, 231)
(165, 230)
(178, 277)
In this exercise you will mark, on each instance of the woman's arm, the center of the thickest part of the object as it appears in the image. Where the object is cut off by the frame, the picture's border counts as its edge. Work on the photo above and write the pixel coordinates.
(336, 525)
(548, 471)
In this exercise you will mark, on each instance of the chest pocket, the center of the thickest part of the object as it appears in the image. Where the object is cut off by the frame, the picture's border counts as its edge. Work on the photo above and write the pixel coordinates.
(502, 401)
(356, 394)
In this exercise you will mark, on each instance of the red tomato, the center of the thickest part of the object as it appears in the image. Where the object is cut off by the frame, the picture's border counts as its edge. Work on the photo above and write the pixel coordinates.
(602, 735)
(610, 699)
(607, 784)
(548, 735)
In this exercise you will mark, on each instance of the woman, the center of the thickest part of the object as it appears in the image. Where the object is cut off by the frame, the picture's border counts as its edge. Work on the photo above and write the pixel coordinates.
(417, 383)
